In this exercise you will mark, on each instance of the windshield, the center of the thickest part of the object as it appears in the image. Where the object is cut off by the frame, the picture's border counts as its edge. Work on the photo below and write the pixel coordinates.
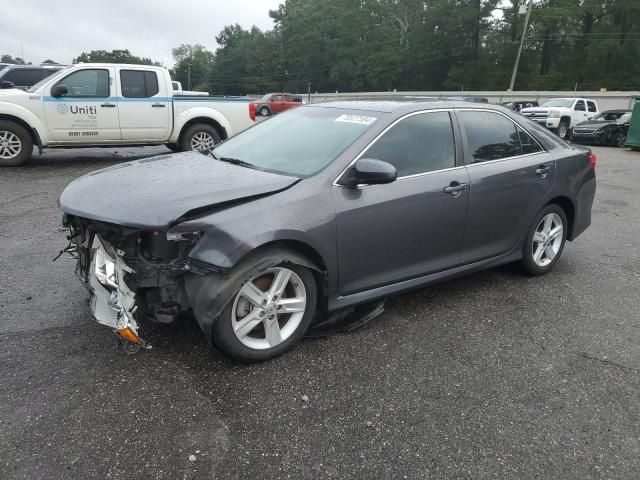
(267, 96)
(558, 102)
(624, 118)
(610, 116)
(299, 142)
(35, 87)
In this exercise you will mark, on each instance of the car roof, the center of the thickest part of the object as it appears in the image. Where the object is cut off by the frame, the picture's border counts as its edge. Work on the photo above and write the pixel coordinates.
(31, 67)
(407, 104)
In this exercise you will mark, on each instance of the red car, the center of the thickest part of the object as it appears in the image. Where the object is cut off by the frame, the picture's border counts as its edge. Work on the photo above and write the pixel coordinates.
(276, 102)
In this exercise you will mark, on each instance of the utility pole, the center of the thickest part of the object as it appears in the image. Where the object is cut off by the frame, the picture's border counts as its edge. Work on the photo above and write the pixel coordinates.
(524, 31)
(188, 76)
(308, 92)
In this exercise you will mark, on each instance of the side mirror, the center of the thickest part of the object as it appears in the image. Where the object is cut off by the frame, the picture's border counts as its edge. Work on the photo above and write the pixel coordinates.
(59, 90)
(7, 84)
(369, 171)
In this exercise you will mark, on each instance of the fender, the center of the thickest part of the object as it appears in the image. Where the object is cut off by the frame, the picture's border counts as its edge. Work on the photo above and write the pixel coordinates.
(195, 112)
(27, 116)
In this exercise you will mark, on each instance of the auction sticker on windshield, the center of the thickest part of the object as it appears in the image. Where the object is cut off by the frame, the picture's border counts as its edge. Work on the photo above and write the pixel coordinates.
(360, 119)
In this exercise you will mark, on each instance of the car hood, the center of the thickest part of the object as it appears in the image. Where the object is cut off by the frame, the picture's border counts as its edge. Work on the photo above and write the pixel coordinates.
(535, 110)
(11, 92)
(158, 192)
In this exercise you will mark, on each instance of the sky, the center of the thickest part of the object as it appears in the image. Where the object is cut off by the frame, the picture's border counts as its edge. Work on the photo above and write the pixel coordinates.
(62, 29)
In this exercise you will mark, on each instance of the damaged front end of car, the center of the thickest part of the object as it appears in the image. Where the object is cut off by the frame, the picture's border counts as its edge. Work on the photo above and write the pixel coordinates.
(131, 274)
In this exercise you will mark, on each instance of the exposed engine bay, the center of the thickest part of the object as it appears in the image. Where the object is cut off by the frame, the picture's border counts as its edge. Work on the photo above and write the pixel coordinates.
(131, 274)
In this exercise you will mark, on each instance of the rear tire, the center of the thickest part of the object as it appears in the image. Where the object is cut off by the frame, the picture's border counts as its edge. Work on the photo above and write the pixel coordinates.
(230, 335)
(16, 145)
(544, 244)
(200, 138)
(265, 112)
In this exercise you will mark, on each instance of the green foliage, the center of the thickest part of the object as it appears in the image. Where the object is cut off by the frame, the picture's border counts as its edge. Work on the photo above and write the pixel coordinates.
(114, 56)
(193, 63)
(10, 59)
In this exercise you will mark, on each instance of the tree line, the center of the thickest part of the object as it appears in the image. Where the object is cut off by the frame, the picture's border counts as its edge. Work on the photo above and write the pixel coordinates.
(384, 45)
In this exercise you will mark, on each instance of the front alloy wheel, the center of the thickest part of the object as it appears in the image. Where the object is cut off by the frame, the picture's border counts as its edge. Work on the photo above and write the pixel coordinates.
(268, 314)
(202, 141)
(563, 130)
(10, 145)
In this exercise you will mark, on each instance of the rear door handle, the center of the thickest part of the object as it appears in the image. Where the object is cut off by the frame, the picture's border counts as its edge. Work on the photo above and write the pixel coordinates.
(543, 170)
(108, 105)
(455, 188)
(158, 105)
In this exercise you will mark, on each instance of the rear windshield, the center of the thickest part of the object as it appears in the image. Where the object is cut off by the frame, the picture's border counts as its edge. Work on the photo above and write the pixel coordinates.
(298, 142)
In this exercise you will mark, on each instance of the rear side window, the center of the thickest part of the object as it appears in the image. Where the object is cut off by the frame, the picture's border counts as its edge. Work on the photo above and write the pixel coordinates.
(138, 83)
(490, 136)
(591, 106)
(527, 143)
(24, 77)
(418, 144)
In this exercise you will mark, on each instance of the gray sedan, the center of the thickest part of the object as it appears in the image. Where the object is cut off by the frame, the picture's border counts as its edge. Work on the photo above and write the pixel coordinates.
(318, 209)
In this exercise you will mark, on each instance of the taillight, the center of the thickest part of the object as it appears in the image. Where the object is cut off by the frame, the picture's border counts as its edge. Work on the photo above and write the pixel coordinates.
(252, 111)
(592, 160)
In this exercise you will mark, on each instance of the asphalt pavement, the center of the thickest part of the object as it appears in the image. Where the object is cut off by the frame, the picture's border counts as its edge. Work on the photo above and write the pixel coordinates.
(494, 375)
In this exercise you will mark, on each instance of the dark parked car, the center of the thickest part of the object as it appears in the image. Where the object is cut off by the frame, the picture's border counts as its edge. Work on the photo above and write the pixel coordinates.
(606, 128)
(321, 208)
(518, 105)
(25, 76)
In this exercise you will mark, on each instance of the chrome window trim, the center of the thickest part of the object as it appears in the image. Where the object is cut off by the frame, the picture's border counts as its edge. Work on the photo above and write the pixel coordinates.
(450, 110)
(391, 125)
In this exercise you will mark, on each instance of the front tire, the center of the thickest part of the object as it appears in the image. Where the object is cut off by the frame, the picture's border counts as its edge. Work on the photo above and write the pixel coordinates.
(265, 112)
(545, 241)
(619, 139)
(563, 130)
(16, 145)
(268, 314)
(200, 138)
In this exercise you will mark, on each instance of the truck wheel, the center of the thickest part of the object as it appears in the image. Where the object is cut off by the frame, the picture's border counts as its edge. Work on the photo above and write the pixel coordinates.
(16, 145)
(563, 130)
(200, 138)
(264, 112)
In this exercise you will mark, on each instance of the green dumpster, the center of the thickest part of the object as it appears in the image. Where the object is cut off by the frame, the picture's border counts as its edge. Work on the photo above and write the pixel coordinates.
(633, 136)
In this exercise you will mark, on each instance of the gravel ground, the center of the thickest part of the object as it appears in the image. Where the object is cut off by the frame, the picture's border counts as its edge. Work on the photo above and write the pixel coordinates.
(495, 375)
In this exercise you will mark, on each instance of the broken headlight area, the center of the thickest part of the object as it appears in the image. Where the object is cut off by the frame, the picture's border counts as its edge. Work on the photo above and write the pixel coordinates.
(132, 274)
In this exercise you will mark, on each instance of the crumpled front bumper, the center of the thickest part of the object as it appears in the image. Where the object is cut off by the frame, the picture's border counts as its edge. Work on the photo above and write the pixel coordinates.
(113, 304)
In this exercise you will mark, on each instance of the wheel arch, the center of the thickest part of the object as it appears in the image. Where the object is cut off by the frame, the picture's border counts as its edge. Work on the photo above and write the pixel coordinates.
(569, 209)
(222, 131)
(33, 132)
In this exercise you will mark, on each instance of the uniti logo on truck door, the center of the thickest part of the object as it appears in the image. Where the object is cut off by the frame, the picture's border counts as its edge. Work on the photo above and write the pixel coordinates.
(63, 109)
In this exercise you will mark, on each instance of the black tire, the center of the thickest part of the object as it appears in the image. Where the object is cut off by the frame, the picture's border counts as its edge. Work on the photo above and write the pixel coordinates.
(225, 339)
(563, 130)
(174, 147)
(192, 131)
(528, 263)
(264, 111)
(619, 139)
(12, 129)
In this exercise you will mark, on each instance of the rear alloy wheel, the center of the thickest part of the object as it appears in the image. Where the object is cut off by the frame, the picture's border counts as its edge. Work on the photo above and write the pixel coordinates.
(16, 144)
(563, 130)
(200, 138)
(264, 112)
(269, 313)
(619, 139)
(545, 242)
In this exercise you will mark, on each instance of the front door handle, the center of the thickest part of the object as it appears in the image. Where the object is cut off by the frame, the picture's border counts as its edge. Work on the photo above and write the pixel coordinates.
(158, 105)
(543, 170)
(455, 188)
(108, 105)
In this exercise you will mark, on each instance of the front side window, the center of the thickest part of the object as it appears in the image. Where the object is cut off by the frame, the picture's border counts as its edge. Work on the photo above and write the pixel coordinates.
(490, 136)
(418, 144)
(86, 84)
(276, 98)
(580, 106)
(138, 83)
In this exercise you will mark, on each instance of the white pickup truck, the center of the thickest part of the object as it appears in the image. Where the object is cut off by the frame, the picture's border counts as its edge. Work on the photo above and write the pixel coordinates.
(89, 105)
(562, 114)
